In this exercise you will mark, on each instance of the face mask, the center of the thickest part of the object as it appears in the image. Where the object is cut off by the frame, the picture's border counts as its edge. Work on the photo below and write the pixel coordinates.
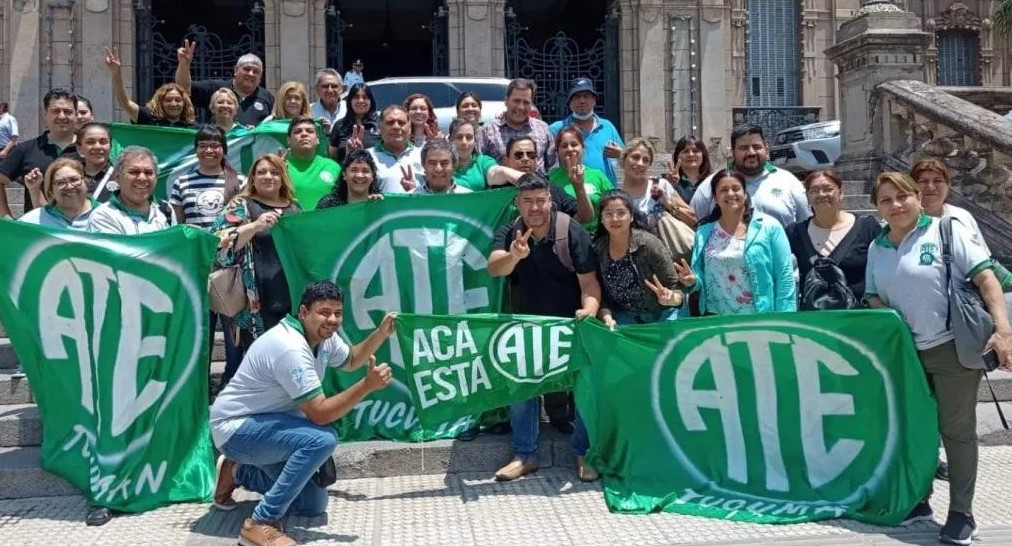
(583, 117)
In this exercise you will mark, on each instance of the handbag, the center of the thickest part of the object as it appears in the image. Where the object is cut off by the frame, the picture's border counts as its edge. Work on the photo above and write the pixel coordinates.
(967, 315)
(226, 292)
(676, 235)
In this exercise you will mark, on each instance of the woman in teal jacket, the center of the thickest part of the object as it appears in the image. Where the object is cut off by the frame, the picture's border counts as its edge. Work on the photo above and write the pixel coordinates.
(741, 261)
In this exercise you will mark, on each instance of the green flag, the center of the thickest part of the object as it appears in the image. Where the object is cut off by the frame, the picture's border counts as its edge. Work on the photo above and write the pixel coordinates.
(463, 365)
(112, 333)
(774, 418)
(174, 147)
(423, 254)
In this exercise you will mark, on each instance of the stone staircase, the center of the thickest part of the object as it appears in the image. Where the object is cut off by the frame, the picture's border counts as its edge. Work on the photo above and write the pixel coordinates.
(16, 198)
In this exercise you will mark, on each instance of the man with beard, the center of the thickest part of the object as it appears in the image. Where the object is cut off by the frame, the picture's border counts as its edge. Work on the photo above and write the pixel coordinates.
(255, 102)
(30, 158)
(521, 158)
(313, 176)
(516, 121)
(131, 210)
(526, 251)
(774, 191)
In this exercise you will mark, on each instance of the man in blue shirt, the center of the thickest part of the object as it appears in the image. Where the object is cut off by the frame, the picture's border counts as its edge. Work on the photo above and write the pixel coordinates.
(602, 142)
(354, 75)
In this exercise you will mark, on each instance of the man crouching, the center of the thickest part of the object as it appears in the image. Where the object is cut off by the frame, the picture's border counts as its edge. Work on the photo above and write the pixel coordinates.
(272, 421)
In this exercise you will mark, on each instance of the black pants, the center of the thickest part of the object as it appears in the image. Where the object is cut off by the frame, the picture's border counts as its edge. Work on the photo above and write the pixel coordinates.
(559, 406)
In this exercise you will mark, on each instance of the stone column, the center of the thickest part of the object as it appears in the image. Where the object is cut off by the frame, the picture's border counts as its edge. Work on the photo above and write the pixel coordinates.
(476, 37)
(644, 46)
(718, 82)
(96, 21)
(294, 43)
(881, 43)
(25, 26)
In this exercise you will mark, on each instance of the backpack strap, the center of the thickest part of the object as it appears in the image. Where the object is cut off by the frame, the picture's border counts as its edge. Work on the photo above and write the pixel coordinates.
(945, 232)
(562, 221)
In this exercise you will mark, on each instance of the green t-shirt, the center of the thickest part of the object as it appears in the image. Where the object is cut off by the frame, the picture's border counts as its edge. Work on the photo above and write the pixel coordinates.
(312, 179)
(595, 182)
(472, 176)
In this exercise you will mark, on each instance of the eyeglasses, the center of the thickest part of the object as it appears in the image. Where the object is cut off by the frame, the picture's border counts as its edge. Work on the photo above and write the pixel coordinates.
(616, 215)
(529, 155)
(66, 182)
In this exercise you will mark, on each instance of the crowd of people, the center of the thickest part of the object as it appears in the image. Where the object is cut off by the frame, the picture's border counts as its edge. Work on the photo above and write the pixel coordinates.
(596, 236)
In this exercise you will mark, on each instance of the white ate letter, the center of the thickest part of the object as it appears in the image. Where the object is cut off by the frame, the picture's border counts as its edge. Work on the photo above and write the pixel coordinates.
(53, 328)
(824, 465)
(460, 251)
(724, 399)
(127, 403)
(766, 400)
(418, 241)
(379, 260)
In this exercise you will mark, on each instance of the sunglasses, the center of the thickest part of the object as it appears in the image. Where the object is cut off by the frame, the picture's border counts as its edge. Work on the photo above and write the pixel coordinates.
(529, 155)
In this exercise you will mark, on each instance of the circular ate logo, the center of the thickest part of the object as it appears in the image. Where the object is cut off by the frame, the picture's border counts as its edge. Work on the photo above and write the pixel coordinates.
(107, 326)
(530, 353)
(776, 411)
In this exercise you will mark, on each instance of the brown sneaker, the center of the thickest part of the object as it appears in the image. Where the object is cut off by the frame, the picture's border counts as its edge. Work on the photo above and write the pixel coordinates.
(515, 469)
(585, 472)
(259, 533)
(224, 484)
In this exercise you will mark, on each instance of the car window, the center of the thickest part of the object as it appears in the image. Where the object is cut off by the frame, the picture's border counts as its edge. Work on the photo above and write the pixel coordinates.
(442, 94)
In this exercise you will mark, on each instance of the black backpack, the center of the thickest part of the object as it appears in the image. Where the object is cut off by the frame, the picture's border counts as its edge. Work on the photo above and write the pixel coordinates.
(825, 287)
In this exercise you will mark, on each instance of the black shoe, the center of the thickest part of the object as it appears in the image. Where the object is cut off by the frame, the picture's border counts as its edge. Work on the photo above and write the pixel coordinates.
(97, 515)
(565, 427)
(942, 472)
(499, 429)
(468, 435)
(921, 512)
(959, 528)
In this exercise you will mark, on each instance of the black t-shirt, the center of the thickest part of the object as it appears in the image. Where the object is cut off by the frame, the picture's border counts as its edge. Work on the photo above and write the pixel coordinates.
(252, 109)
(546, 286)
(38, 153)
(851, 254)
(144, 117)
(343, 131)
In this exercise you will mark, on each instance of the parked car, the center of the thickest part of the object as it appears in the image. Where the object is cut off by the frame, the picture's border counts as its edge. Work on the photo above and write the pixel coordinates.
(443, 91)
(806, 148)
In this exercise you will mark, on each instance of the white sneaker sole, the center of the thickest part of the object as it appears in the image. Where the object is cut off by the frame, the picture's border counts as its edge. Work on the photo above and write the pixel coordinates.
(967, 542)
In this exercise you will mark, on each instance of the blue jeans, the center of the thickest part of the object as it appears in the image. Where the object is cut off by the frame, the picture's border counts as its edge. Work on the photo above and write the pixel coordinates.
(525, 419)
(625, 317)
(277, 455)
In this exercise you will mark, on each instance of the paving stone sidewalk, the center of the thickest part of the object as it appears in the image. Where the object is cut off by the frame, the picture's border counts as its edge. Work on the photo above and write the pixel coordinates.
(548, 508)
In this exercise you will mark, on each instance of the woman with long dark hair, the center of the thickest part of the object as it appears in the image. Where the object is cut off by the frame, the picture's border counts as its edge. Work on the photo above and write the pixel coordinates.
(468, 107)
(357, 183)
(424, 124)
(638, 280)
(741, 261)
(691, 166)
(359, 129)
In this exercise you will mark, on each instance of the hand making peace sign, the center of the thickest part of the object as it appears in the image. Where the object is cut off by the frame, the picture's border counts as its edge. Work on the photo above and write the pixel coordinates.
(407, 180)
(665, 296)
(519, 248)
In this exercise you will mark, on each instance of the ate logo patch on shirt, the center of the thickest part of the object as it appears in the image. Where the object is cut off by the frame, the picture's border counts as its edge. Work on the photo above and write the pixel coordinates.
(928, 253)
(326, 177)
(259, 106)
(777, 192)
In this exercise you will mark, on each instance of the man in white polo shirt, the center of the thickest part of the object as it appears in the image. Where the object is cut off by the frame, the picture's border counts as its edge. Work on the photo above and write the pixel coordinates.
(132, 210)
(396, 158)
(272, 422)
(775, 192)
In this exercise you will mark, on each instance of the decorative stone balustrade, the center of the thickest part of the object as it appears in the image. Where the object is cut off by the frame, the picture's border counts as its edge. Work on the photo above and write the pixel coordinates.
(913, 120)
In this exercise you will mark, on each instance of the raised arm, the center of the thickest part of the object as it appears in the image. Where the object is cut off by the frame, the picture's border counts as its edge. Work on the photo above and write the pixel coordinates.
(118, 88)
(185, 56)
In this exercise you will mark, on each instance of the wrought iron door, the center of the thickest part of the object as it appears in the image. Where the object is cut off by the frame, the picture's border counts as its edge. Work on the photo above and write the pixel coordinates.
(438, 27)
(554, 64)
(336, 26)
(156, 53)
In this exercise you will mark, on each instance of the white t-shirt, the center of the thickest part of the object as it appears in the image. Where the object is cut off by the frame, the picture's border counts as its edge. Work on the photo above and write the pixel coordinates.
(911, 279)
(279, 372)
(968, 220)
(775, 192)
(646, 203)
(388, 167)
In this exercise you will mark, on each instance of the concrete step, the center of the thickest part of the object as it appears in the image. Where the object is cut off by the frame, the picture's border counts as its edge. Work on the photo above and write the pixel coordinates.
(22, 476)
(14, 390)
(20, 425)
(858, 201)
(856, 187)
(8, 359)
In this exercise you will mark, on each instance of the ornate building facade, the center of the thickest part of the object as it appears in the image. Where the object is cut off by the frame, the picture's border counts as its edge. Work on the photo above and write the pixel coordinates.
(665, 68)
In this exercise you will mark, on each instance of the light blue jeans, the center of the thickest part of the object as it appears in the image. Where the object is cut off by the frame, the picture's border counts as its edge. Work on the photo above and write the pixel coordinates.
(525, 419)
(277, 455)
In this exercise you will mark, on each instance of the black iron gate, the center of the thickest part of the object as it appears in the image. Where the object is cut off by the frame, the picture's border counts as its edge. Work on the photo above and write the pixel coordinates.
(336, 26)
(213, 58)
(438, 27)
(554, 64)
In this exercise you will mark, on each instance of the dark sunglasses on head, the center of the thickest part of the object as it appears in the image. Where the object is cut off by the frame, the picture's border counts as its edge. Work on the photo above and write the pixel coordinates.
(528, 155)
